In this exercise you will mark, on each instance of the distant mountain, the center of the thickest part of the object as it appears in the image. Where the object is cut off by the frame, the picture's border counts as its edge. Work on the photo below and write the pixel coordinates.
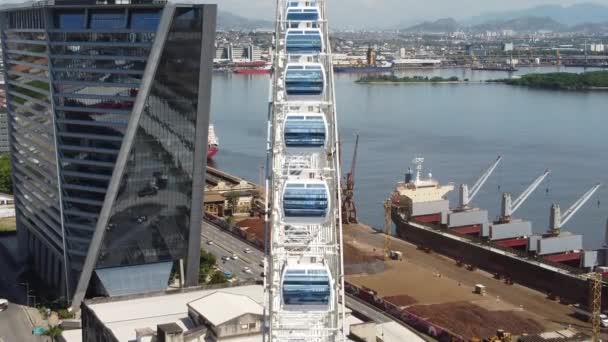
(521, 25)
(229, 21)
(591, 28)
(437, 26)
(569, 15)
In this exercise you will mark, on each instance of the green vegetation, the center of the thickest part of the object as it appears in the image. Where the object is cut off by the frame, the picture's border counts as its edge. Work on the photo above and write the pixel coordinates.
(53, 332)
(6, 182)
(561, 81)
(208, 272)
(406, 79)
(8, 224)
(218, 278)
(65, 314)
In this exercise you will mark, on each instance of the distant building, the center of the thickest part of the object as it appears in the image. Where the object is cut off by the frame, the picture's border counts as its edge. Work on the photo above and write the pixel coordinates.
(4, 145)
(507, 47)
(402, 53)
(109, 105)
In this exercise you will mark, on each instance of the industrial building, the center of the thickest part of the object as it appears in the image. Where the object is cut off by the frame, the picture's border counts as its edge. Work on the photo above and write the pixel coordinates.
(108, 105)
(207, 314)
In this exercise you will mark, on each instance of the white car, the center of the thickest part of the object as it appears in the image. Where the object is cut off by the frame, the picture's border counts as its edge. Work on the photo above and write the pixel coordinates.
(247, 250)
(247, 270)
(234, 257)
(210, 242)
(3, 304)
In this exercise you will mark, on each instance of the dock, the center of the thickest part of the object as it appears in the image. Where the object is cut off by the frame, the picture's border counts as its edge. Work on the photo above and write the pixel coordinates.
(437, 288)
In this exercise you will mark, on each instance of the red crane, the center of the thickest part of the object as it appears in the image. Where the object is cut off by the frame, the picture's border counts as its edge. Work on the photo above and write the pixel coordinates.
(349, 210)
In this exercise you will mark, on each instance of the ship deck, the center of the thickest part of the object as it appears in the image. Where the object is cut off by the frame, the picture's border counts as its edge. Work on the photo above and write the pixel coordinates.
(433, 286)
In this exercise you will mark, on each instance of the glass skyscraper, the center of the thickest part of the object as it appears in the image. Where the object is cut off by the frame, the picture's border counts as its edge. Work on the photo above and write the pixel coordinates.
(108, 104)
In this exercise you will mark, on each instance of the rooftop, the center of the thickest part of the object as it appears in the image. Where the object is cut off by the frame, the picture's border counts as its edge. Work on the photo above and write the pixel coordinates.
(125, 316)
(228, 306)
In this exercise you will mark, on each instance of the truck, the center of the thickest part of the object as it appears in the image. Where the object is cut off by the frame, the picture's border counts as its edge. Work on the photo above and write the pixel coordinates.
(584, 313)
(395, 255)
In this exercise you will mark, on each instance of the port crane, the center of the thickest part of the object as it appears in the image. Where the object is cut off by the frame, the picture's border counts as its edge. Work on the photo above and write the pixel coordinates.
(557, 219)
(509, 207)
(349, 209)
(467, 195)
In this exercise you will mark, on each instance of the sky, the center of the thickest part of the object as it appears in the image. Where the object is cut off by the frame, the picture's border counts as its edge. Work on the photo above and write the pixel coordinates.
(387, 13)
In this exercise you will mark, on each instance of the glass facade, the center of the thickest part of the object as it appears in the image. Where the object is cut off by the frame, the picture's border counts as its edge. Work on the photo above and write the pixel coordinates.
(152, 210)
(73, 76)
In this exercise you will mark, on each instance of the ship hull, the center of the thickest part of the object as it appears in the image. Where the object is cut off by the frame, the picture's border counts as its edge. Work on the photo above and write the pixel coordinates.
(252, 71)
(368, 69)
(212, 151)
(495, 259)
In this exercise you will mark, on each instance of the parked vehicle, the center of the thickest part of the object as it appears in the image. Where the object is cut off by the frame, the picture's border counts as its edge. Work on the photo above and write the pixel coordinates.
(3, 304)
(584, 313)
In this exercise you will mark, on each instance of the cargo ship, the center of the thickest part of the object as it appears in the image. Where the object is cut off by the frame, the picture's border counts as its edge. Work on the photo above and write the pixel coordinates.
(363, 68)
(254, 70)
(213, 145)
(554, 263)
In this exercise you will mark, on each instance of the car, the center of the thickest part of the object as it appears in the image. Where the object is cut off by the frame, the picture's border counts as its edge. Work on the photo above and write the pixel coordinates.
(3, 304)
(142, 219)
(234, 257)
(261, 264)
(247, 250)
(246, 269)
(225, 258)
(210, 242)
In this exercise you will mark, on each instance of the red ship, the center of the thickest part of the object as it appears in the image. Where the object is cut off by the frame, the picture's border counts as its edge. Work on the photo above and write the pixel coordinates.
(213, 145)
(253, 71)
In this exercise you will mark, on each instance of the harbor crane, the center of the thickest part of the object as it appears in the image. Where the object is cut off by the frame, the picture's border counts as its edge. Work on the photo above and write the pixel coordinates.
(509, 207)
(349, 210)
(466, 195)
(557, 219)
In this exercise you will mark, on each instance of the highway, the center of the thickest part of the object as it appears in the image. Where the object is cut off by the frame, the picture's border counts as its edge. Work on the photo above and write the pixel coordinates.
(225, 244)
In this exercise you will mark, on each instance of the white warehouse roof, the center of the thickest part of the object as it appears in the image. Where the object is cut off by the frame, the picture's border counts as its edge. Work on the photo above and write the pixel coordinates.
(227, 306)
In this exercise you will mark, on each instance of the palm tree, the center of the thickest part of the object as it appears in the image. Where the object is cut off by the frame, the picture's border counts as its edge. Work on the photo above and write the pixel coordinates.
(53, 332)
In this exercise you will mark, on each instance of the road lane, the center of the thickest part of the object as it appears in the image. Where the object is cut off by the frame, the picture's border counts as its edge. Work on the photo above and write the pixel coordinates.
(224, 244)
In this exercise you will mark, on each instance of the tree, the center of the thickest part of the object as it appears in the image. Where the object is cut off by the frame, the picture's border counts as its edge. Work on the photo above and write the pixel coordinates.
(218, 277)
(6, 182)
(54, 331)
(233, 201)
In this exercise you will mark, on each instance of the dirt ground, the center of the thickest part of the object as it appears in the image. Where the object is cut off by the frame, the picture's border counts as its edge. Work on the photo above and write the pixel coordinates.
(436, 287)
(470, 320)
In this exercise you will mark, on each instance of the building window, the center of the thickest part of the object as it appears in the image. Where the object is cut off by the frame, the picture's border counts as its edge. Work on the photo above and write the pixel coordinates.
(252, 325)
(107, 20)
(69, 20)
(244, 326)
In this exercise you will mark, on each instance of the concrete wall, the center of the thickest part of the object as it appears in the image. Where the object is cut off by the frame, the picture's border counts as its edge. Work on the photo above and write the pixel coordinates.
(510, 230)
(236, 327)
(559, 244)
(467, 218)
(364, 332)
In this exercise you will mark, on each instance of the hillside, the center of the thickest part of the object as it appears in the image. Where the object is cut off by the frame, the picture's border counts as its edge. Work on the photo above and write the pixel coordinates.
(521, 24)
(229, 21)
(568, 15)
(438, 26)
